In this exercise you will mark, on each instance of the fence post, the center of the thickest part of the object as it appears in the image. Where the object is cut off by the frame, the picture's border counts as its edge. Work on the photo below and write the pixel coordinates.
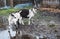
(11, 3)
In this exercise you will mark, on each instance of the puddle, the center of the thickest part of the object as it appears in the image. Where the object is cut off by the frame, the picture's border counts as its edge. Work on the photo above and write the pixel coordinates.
(4, 34)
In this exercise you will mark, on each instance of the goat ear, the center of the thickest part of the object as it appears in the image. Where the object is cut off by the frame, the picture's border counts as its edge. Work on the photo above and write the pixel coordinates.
(13, 15)
(35, 7)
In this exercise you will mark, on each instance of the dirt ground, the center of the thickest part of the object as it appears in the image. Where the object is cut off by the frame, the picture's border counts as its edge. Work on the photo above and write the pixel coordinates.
(46, 24)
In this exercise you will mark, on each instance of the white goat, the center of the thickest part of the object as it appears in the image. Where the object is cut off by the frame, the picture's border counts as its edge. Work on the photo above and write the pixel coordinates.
(12, 19)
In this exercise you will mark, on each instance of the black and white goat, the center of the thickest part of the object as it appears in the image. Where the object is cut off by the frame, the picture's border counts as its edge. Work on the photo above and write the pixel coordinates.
(17, 18)
(25, 13)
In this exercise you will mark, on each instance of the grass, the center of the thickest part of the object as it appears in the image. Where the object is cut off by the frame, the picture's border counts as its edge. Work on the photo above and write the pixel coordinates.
(7, 11)
(10, 10)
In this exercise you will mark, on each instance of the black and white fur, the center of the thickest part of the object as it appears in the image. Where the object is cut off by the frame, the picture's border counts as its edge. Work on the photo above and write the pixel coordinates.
(25, 13)
(17, 17)
(13, 19)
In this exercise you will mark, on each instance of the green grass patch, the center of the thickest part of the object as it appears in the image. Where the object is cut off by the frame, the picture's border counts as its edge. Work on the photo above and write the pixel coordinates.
(7, 11)
(10, 10)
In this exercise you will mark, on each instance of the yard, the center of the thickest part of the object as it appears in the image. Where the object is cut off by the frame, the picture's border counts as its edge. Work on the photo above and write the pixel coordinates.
(43, 23)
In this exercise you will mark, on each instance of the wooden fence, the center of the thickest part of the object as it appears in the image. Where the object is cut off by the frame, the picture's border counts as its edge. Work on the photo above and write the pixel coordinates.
(51, 3)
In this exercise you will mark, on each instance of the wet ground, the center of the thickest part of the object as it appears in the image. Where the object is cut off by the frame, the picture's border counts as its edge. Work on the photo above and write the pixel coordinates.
(44, 24)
